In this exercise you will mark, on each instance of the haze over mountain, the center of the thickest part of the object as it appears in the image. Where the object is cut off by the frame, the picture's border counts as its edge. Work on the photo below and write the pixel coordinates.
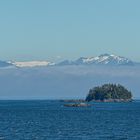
(60, 82)
(104, 59)
(68, 79)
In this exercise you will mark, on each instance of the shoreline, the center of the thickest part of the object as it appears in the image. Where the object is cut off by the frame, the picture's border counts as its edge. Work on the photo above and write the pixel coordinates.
(104, 101)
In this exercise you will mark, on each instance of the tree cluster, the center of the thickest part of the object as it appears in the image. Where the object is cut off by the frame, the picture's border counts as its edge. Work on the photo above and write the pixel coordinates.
(108, 91)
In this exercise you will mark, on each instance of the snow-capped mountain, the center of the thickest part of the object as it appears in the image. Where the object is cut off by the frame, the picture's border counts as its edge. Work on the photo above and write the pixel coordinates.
(22, 64)
(104, 59)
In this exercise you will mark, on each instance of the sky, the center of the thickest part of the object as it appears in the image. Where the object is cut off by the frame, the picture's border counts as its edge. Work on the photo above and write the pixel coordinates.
(68, 29)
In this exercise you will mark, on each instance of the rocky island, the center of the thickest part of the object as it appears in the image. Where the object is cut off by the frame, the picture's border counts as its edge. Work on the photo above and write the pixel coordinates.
(109, 93)
(104, 93)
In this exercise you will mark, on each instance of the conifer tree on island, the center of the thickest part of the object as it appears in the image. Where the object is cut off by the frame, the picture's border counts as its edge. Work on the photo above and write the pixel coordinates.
(109, 92)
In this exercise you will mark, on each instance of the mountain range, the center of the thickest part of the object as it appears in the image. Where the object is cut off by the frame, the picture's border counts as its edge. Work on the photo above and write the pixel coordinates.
(67, 79)
(104, 59)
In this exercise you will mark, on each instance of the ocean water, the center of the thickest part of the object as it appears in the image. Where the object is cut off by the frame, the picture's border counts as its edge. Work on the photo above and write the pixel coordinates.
(50, 120)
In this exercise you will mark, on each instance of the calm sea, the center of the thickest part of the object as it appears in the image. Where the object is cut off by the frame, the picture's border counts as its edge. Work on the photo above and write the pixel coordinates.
(50, 120)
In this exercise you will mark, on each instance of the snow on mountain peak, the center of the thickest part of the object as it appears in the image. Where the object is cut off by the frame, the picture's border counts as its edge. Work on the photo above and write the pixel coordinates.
(104, 59)
(31, 63)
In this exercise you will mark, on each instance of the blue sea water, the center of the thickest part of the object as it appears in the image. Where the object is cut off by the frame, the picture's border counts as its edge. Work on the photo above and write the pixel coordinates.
(50, 120)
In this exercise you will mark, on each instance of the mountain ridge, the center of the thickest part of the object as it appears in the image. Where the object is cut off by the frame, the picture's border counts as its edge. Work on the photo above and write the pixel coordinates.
(103, 59)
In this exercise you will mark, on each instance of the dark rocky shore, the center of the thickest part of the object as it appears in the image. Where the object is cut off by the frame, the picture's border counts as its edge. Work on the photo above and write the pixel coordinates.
(77, 105)
(73, 100)
(113, 100)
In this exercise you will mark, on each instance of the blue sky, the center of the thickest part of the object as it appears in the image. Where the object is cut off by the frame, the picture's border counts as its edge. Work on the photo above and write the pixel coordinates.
(47, 29)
